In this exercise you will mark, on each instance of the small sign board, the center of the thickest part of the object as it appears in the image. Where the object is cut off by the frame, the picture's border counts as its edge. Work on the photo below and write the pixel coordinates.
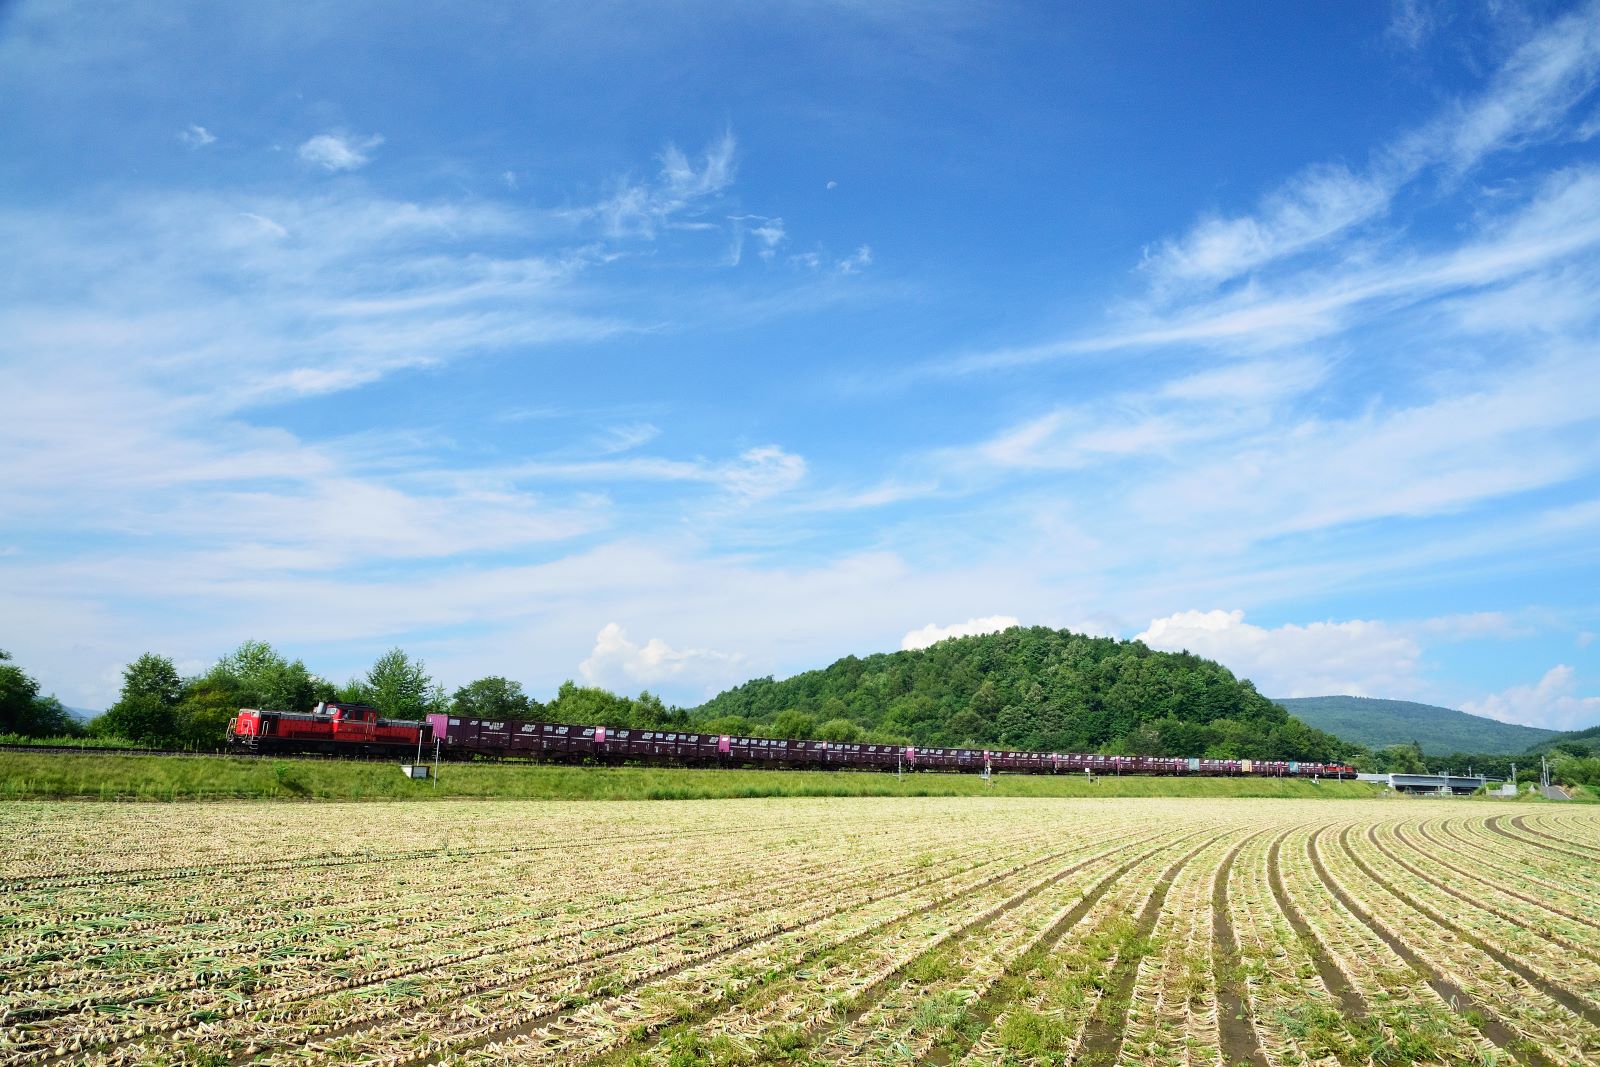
(416, 770)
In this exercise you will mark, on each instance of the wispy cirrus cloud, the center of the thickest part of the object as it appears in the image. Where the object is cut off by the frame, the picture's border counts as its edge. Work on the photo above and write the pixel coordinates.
(338, 150)
(755, 474)
(680, 191)
(1528, 100)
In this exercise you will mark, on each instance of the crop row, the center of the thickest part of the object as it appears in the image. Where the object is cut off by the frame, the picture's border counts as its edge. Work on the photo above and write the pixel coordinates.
(931, 932)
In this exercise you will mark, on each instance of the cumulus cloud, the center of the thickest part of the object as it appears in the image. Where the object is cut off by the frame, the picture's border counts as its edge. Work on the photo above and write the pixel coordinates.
(196, 136)
(618, 661)
(335, 151)
(932, 634)
(1552, 702)
(1357, 657)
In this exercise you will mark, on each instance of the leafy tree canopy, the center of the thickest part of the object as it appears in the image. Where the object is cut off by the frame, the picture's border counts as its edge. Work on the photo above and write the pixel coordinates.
(152, 677)
(399, 687)
(494, 698)
(146, 712)
(260, 677)
(24, 711)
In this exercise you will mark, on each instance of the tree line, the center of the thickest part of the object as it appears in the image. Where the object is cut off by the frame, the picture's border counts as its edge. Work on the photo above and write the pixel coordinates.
(1032, 689)
(159, 708)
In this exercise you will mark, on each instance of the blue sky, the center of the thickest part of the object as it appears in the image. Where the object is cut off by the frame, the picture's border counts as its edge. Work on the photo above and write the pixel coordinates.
(670, 345)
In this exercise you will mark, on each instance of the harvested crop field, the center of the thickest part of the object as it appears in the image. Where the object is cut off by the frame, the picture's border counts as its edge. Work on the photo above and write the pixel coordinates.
(859, 931)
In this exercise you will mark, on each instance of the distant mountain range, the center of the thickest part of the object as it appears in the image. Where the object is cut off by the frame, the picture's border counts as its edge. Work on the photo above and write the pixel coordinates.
(1379, 723)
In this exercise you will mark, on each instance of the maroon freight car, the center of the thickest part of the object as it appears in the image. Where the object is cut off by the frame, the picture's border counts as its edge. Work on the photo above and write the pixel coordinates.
(358, 729)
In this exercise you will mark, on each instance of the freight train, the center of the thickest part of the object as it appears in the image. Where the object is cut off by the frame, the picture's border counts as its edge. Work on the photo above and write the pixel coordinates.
(356, 729)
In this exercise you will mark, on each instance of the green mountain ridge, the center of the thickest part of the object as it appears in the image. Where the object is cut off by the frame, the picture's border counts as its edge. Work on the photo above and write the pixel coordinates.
(1571, 741)
(1378, 723)
(1027, 688)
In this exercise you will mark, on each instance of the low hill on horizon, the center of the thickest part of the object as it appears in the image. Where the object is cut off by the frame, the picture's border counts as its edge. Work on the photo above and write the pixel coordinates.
(1027, 688)
(1378, 723)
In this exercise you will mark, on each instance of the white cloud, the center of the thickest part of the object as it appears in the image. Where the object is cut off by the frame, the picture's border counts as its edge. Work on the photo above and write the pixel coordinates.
(336, 151)
(1358, 658)
(757, 473)
(1474, 625)
(618, 662)
(1526, 102)
(768, 233)
(196, 136)
(626, 437)
(762, 472)
(1314, 206)
(266, 226)
(1551, 702)
(857, 261)
(1412, 23)
(932, 634)
(1521, 427)
(643, 209)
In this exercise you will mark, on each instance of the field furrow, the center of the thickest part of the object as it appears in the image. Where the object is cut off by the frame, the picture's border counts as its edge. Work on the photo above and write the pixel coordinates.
(935, 932)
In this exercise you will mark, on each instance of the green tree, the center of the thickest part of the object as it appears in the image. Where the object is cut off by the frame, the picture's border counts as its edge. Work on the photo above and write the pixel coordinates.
(401, 688)
(840, 731)
(24, 711)
(146, 712)
(50, 718)
(202, 716)
(1404, 759)
(792, 724)
(263, 678)
(649, 710)
(18, 692)
(153, 677)
(139, 719)
(586, 705)
(492, 698)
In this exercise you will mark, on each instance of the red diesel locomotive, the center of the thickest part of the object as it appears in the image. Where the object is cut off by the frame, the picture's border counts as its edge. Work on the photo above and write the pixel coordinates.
(357, 729)
(353, 729)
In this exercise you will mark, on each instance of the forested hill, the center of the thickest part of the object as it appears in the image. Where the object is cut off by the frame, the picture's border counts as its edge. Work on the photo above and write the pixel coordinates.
(1573, 742)
(1379, 723)
(1038, 689)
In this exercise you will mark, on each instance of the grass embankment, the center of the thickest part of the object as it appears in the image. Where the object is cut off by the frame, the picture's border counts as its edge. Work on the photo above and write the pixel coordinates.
(110, 777)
